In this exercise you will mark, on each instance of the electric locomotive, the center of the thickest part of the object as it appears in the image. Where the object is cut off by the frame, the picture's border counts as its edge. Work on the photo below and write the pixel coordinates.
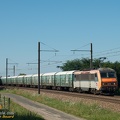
(99, 81)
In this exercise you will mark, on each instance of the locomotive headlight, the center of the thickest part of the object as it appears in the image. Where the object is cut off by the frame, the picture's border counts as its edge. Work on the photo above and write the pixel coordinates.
(104, 84)
(113, 83)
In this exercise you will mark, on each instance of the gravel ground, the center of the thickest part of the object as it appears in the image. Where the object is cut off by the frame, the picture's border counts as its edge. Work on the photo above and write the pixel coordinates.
(102, 104)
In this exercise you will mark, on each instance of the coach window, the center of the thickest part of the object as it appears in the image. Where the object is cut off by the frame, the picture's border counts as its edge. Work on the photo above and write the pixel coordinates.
(67, 78)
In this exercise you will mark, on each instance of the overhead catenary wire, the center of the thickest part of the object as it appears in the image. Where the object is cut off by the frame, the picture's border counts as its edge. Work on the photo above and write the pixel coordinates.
(49, 47)
(107, 53)
(63, 57)
(82, 46)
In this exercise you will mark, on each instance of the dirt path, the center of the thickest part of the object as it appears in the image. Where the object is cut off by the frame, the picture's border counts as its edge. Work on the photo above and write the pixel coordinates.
(46, 112)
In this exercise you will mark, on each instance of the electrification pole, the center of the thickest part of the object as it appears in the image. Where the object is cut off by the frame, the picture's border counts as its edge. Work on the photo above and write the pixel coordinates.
(39, 63)
(91, 51)
(6, 70)
(14, 70)
(91, 54)
(39, 50)
(38, 67)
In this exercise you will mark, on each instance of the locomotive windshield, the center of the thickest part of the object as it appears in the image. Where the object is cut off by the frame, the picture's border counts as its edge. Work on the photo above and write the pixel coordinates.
(107, 74)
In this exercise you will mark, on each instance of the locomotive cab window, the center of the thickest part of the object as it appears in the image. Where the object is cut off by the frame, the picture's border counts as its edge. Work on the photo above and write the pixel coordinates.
(103, 75)
(111, 75)
(107, 74)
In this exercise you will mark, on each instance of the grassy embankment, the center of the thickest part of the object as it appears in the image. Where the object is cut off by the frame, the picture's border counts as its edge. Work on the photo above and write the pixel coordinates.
(21, 113)
(89, 112)
(117, 92)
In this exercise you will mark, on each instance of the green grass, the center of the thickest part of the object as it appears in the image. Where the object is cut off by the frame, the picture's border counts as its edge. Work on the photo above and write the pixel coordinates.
(79, 109)
(23, 114)
(117, 92)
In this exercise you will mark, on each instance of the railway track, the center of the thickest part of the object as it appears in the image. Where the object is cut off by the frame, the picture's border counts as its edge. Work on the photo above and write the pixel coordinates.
(110, 99)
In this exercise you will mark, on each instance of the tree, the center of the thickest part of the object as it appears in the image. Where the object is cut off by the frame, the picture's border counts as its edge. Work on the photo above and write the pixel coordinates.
(21, 74)
(76, 64)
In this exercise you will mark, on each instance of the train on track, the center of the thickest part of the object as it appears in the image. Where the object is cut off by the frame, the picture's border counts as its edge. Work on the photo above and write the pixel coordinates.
(97, 81)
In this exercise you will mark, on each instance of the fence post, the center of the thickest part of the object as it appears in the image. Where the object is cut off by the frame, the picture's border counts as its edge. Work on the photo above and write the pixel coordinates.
(9, 104)
(4, 101)
(0, 98)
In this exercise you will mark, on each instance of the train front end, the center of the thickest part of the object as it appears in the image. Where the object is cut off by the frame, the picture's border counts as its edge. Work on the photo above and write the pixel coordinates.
(108, 81)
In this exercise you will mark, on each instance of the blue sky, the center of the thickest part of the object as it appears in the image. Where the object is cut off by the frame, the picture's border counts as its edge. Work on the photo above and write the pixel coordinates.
(63, 25)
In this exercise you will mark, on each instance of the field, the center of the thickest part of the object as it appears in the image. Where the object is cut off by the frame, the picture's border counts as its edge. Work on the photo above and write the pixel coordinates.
(80, 109)
(23, 114)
